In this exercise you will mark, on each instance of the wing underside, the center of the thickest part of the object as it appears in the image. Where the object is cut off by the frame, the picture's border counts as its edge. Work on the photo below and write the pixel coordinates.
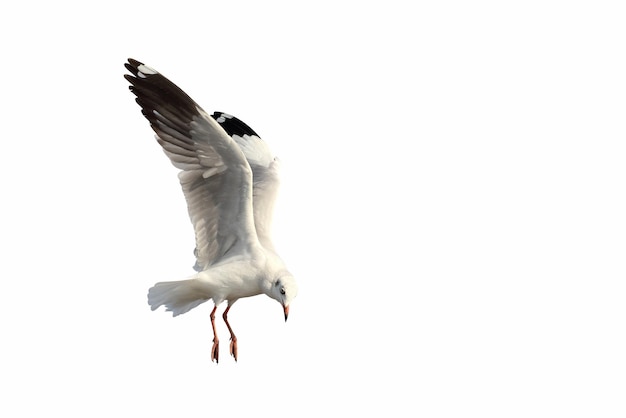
(215, 174)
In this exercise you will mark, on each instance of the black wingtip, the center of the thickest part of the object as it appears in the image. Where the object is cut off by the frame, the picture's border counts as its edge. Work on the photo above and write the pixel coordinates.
(232, 125)
(133, 65)
(156, 93)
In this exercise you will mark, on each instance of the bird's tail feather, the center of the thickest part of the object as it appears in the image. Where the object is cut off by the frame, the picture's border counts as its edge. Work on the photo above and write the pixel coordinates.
(178, 297)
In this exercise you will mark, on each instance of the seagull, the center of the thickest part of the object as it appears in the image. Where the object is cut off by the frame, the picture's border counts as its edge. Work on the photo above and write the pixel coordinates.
(230, 180)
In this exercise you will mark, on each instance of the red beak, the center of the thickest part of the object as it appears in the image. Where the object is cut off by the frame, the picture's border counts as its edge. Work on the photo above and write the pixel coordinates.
(286, 312)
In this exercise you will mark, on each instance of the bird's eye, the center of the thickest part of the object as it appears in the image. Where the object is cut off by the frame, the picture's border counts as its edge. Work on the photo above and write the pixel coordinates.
(282, 290)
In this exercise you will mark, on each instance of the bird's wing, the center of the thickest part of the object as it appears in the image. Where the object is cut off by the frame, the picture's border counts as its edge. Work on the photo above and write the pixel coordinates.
(264, 172)
(215, 175)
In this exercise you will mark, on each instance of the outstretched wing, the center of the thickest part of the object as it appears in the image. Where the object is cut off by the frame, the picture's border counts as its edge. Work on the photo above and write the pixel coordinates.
(215, 175)
(264, 172)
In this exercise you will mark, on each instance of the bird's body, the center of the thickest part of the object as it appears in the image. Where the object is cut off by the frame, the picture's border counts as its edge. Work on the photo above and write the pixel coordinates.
(232, 280)
(230, 179)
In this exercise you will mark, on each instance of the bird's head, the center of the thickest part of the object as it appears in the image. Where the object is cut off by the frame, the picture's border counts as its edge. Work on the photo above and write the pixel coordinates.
(284, 289)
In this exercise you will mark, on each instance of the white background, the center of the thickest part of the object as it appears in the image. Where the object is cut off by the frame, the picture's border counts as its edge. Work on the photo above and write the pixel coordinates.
(453, 207)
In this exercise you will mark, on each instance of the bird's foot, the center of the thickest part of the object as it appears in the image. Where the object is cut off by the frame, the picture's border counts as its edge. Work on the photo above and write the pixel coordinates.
(233, 347)
(215, 351)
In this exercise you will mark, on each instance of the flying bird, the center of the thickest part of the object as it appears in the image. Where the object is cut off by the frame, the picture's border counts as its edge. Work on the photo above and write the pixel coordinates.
(230, 179)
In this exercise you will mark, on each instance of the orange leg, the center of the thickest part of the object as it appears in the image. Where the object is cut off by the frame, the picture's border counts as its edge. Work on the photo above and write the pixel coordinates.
(233, 338)
(215, 353)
